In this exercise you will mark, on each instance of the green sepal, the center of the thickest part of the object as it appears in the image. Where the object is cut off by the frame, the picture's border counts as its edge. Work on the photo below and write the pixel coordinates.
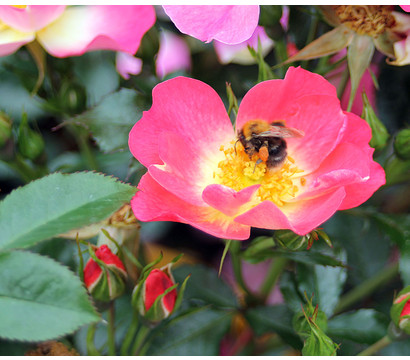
(380, 135)
(359, 56)
(180, 295)
(233, 101)
(290, 241)
(319, 344)
(258, 245)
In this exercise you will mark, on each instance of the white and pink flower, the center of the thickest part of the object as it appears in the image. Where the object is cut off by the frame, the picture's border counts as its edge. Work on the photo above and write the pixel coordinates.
(71, 31)
(199, 176)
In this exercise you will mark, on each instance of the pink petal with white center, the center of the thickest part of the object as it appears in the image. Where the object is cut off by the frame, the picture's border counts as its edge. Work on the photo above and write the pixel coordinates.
(153, 203)
(227, 200)
(97, 27)
(300, 217)
(185, 172)
(189, 108)
(31, 18)
(173, 55)
(239, 53)
(347, 164)
(11, 40)
(127, 64)
(230, 24)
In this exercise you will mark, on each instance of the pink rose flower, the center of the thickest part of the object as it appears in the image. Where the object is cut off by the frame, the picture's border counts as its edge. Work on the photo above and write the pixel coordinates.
(71, 31)
(239, 53)
(200, 175)
(230, 24)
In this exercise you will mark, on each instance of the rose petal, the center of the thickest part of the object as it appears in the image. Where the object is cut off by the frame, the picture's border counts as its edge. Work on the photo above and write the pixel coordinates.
(31, 18)
(347, 164)
(173, 55)
(239, 53)
(153, 203)
(230, 24)
(301, 217)
(11, 40)
(357, 194)
(228, 200)
(127, 64)
(187, 107)
(98, 27)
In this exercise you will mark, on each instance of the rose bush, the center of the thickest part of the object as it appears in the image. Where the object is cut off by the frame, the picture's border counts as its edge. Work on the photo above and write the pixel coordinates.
(198, 175)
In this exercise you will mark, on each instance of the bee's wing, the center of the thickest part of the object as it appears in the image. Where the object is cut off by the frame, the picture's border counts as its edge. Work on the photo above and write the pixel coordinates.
(283, 132)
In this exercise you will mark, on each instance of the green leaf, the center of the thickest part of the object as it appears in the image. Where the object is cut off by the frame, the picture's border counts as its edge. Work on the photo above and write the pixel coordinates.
(365, 326)
(56, 204)
(274, 319)
(112, 119)
(206, 286)
(359, 55)
(326, 283)
(196, 333)
(40, 299)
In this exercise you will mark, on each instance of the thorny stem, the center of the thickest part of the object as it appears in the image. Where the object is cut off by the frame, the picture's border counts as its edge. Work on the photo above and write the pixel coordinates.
(376, 347)
(367, 287)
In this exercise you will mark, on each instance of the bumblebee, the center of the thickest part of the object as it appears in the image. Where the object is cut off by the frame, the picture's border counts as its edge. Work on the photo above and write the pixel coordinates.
(267, 140)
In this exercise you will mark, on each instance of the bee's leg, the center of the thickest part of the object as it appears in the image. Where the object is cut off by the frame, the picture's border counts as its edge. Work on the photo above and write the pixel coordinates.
(235, 146)
(264, 153)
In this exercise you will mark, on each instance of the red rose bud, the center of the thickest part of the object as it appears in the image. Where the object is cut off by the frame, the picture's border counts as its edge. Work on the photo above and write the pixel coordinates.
(105, 278)
(155, 296)
(400, 311)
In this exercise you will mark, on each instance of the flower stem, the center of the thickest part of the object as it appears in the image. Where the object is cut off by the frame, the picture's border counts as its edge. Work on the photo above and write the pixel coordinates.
(343, 83)
(111, 329)
(139, 341)
(237, 267)
(272, 277)
(129, 335)
(367, 287)
(376, 347)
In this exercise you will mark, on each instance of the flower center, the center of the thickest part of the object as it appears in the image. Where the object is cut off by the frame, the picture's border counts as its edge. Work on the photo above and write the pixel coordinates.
(238, 171)
(370, 20)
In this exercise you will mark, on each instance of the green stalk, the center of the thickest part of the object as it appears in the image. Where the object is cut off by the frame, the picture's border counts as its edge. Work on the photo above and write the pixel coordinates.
(376, 347)
(111, 329)
(311, 35)
(139, 341)
(129, 335)
(272, 277)
(367, 287)
(343, 83)
(237, 267)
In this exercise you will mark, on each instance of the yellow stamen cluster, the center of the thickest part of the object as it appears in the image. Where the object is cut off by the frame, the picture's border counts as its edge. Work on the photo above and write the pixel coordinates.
(238, 171)
(371, 20)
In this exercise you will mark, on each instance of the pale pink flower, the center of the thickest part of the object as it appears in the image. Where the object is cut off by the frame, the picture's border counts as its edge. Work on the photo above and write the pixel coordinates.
(173, 54)
(230, 24)
(71, 31)
(196, 174)
(239, 53)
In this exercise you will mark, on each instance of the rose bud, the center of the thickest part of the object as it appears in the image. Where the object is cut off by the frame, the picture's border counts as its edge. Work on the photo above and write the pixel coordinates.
(104, 274)
(400, 311)
(155, 296)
